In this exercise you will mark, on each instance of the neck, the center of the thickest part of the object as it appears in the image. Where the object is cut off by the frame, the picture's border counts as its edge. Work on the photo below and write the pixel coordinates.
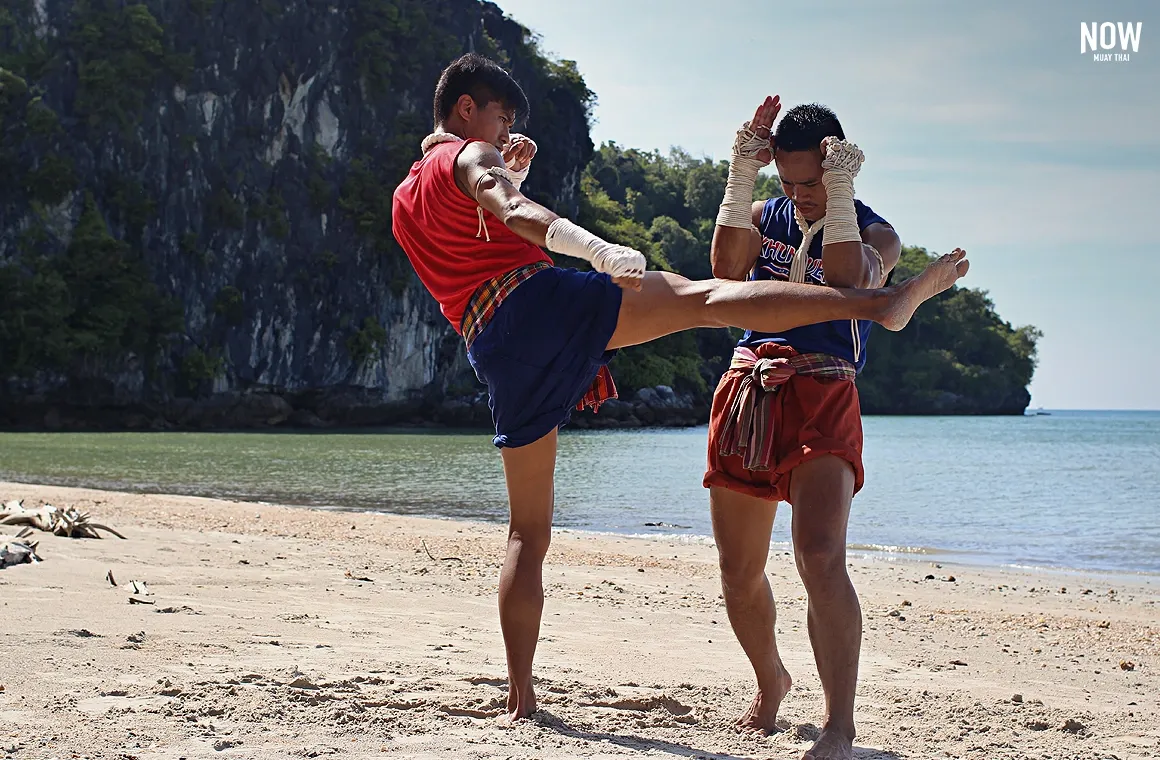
(440, 135)
(451, 128)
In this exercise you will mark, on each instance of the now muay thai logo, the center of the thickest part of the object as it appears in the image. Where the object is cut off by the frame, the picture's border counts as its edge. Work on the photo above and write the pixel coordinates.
(1100, 39)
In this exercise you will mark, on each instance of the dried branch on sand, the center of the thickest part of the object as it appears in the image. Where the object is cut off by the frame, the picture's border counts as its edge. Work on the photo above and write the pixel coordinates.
(63, 522)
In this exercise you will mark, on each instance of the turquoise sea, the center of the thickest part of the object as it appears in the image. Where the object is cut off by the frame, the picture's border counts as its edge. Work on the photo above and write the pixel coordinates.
(1068, 490)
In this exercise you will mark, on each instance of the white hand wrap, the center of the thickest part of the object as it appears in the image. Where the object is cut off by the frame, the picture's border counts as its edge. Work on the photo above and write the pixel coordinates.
(573, 240)
(842, 162)
(737, 205)
(517, 178)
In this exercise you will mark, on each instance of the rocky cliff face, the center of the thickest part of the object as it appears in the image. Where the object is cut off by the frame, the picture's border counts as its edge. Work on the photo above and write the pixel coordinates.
(195, 221)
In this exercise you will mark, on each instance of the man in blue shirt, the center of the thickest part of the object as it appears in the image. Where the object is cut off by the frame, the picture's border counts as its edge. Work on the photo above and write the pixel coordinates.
(786, 424)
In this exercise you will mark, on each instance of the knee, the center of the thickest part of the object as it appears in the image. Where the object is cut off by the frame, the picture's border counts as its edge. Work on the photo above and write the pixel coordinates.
(708, 298)
(531, 541)
(821, 561)
(740, 574)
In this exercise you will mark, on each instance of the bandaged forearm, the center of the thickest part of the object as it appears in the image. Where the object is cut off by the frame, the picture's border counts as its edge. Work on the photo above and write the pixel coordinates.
(840, 166)
(737, 205)
(517, 178)
(573, 240)
(513, 177)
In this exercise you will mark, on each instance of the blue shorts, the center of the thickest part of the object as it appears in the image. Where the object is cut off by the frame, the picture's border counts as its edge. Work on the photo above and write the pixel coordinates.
(542, 349)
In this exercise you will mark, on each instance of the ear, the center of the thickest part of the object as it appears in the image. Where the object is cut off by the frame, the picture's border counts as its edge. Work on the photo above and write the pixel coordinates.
(465, 107)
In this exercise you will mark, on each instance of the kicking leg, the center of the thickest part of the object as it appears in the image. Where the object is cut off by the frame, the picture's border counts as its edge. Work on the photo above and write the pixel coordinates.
(668, 303)
(529, 472)
(742, 526)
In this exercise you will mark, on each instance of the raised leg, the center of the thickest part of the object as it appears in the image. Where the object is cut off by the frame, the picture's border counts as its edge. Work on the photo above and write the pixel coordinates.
(668, 303)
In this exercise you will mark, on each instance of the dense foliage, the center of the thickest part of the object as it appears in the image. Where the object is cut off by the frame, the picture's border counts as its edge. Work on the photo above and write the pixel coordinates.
(957, 354)
(87, 281)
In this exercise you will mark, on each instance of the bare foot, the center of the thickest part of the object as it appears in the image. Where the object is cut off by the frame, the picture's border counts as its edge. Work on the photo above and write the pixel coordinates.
(521, 704)
(831, 745)
(762, 714)
(907, 297)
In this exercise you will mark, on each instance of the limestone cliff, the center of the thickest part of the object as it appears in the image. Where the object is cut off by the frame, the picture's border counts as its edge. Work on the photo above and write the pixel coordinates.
(195, 212)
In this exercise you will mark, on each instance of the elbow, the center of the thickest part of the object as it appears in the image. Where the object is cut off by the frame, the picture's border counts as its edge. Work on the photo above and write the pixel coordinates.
(723, 269)
(509, 212)
(860, 280)
(516, 211)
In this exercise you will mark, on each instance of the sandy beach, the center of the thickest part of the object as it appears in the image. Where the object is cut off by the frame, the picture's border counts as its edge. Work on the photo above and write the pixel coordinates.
(278, 632)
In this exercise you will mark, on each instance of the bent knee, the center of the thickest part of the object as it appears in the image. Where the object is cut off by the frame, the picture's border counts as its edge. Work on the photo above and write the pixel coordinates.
(821, 560)
(711, 297)
(533, 541)
(696, 300)
(741, 573)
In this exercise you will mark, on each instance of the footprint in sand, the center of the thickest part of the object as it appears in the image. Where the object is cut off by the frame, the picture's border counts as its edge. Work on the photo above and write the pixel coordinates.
(471, 712)
(806, 732)
(647, 704)
(499, 683)
(396, 704)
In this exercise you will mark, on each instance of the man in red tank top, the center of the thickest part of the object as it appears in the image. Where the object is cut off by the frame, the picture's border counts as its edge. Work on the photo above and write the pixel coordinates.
(540, 336)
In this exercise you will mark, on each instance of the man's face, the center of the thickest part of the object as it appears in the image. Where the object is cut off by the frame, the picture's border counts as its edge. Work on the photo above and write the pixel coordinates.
(801, 179)
(492, 123)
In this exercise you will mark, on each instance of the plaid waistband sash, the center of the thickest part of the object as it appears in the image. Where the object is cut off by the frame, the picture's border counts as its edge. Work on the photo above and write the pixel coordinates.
(748, 429)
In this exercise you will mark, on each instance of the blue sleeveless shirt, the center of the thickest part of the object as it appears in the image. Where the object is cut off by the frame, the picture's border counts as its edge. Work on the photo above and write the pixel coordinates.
(780, 237)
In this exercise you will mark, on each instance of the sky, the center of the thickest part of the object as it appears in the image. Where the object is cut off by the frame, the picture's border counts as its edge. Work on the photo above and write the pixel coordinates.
(983, 124)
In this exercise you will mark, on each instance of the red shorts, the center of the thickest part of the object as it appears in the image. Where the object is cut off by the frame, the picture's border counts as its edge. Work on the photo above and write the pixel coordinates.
(812, 418)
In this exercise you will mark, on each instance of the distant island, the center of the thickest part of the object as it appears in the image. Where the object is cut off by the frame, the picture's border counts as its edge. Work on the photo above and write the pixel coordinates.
(195, 227)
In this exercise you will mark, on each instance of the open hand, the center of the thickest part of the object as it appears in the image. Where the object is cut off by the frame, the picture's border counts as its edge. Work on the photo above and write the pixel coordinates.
(762, 125)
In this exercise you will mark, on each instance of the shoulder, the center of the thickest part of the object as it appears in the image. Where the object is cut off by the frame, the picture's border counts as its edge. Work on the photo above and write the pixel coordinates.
(473, 153)
(867, 216)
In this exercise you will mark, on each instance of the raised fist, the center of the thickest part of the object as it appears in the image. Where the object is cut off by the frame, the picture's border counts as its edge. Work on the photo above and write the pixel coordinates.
(841, 155)
(519, 152)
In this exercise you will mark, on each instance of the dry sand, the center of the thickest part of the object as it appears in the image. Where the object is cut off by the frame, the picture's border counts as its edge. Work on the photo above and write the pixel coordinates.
(261, 644)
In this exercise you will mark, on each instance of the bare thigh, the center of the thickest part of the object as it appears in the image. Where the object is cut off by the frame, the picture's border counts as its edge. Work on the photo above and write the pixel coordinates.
(821, 490)
(666, 303)
(529, 472)
(742, 526)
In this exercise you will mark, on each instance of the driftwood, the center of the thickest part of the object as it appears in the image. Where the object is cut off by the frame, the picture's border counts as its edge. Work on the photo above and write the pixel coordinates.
(18, 549)
(63, 522)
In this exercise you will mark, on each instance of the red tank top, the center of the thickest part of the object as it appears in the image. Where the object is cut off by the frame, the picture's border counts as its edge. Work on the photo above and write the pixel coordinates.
(440, 230)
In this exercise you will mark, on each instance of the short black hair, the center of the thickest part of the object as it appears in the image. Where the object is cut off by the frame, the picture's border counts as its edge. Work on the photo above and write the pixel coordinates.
(804, 127)
(481, 78)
